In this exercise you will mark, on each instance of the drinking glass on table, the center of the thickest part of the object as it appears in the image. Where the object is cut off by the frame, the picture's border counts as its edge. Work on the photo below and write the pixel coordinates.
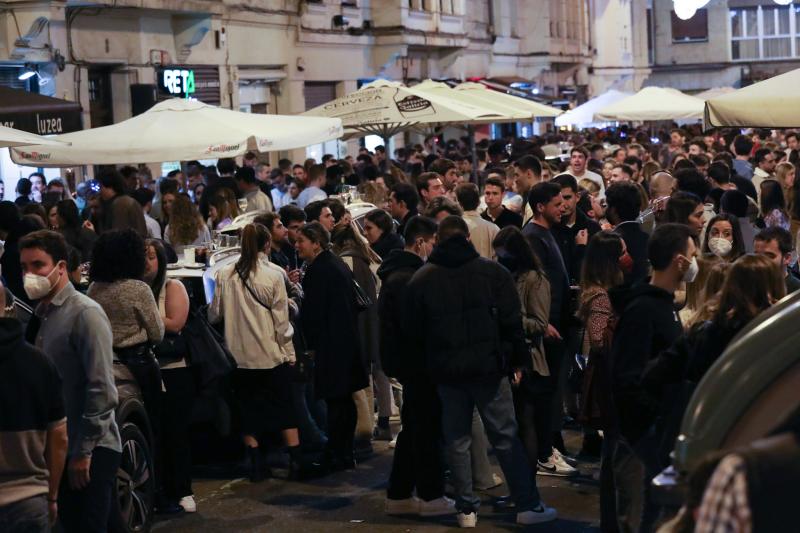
(242, 204)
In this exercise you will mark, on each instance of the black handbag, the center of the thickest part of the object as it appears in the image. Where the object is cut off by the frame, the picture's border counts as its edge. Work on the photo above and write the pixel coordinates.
(206, 351)
(170, 350)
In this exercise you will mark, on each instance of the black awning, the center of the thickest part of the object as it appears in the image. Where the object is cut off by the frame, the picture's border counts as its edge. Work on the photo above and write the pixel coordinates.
(39, 114)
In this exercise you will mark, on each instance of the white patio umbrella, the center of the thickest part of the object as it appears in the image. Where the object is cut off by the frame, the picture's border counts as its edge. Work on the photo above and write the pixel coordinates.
(772, 103)
(500, 112)
(653, 103)
(583, 115)
(181, 130)
(386, 108)
(708, 94)
(10, 137)
(480, 93)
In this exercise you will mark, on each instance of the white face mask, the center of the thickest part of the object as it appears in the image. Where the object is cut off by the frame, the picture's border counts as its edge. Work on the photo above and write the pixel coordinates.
(36, 286)
(691, 272)
(720, 246)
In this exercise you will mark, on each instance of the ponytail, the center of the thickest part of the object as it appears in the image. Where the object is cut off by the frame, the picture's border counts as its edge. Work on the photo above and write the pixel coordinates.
(254, 238)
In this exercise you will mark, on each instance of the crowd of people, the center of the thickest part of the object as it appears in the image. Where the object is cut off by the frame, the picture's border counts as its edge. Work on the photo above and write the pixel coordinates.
(579, 279)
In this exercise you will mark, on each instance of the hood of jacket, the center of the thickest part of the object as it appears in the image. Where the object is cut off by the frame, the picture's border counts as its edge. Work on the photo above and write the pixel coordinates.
(622, 296)
(387, 243)
(398, 260)
(453, 252)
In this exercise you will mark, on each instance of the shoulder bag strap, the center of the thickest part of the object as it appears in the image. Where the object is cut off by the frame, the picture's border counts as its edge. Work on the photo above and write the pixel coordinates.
(252, 292)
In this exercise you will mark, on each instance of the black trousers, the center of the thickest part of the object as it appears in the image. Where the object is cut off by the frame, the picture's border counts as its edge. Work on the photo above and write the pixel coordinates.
(417, 461)
(342, 419)
(87, 510)
(176, 417)
(533, 408)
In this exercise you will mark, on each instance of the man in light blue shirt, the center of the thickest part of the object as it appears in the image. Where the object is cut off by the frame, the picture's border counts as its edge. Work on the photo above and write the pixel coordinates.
(314, 192)
(75, 333)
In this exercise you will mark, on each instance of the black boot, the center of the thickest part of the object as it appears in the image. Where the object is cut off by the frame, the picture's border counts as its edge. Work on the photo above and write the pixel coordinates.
(258, 471)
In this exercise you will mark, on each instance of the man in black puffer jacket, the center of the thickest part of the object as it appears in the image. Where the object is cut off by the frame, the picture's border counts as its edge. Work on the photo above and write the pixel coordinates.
(464, 318)
(418, 455)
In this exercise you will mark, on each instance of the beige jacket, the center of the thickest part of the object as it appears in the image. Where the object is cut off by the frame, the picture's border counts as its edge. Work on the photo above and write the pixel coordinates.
(481, 233)
(534, 292)
(258, 338)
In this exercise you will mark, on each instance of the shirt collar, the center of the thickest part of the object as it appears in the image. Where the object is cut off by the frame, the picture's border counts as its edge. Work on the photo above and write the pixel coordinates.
(58, 300)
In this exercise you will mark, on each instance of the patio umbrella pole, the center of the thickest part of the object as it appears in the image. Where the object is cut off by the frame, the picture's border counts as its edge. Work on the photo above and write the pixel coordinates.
(473, 150)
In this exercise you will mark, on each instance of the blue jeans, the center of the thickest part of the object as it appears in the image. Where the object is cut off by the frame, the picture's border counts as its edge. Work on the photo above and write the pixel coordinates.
(496, 408)
(25, 516)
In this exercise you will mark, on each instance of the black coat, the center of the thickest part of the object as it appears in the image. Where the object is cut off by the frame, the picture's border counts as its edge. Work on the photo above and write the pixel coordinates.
(464, 316)
(388, 242)
(636, 240)
(571, 252)
(397, 358)
(648, 325)
(328, 319)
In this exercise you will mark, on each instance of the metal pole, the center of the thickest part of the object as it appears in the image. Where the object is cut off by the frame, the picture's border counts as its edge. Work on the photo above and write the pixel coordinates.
(474, 151)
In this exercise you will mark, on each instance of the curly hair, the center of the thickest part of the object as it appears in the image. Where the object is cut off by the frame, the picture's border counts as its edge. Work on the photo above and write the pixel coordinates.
(118, 255)
(184, 221)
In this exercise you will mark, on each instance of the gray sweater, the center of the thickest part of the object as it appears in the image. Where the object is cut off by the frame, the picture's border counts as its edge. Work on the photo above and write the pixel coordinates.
(131, 309)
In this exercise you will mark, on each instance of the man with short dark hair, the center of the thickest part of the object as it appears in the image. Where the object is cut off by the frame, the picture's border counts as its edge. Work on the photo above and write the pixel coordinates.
(776, 244)
(547, 206)
(448, 172)
(403, 200)
(248, 185)
(527, 173)
(320, 212)
(293, 218)
(575, 229)
(119, 211)
(741, 147)
(622, 211)
(429, 186)
(621, 173)
(75, 333)
(481, 232)
(33, 429)
(578, 158)
(495, 212)
(463, 311)
(764, 161)
(145, 199)
(441, 207)
(313, 192)
(38, 183)
(648, 325)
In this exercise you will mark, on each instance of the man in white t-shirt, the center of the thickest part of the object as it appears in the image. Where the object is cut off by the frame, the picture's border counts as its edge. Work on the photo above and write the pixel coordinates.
(578, 158)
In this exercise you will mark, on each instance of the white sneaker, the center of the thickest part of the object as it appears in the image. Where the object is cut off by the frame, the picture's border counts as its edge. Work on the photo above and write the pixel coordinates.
(188, 504)
(406, 506)
(571, 461)
(554, 467)
(393, 443)
(467, 520)
(496, 482)
(537, 515)
(439, 507)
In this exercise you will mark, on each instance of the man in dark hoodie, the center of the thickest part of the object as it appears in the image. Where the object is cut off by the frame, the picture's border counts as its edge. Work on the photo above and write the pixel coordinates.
(464, 320)
(648, 325)
(575, 229)
(417, 456)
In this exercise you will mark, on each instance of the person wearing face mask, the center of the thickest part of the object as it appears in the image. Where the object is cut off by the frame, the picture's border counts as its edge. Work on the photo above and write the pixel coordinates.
(648, 325)
(724, 238)
(75, 333)
(607, 260)
(417, 462)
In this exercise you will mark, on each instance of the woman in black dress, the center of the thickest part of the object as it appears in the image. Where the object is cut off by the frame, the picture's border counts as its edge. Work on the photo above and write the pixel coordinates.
(329, 322)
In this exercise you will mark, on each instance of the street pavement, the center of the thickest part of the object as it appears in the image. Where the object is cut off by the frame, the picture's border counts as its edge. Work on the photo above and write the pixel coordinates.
(353, 502)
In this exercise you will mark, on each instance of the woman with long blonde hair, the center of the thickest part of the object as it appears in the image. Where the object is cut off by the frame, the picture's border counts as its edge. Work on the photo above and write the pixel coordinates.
(186, 227)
